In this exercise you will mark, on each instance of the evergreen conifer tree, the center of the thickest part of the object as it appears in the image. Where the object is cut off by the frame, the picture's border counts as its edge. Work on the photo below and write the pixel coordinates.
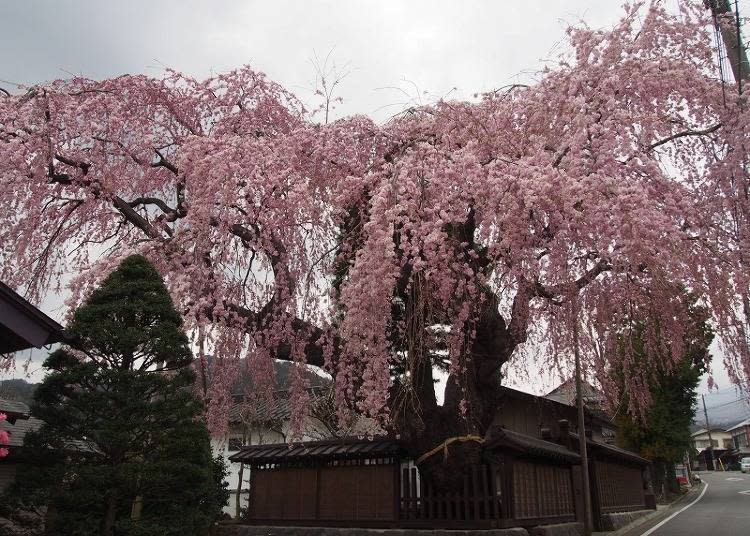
(663, 436)
(123, 448)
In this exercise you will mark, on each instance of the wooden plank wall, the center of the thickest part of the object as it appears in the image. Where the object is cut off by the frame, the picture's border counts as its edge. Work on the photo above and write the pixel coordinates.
(619, 487)
(542, 491)
(341, 493)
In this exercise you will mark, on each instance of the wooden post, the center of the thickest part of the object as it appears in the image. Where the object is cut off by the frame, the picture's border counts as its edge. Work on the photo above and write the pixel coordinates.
(406, 487)
(710, 439)
(582, 433)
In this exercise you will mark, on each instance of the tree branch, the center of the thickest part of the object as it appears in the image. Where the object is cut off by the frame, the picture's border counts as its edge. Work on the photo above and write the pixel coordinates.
(124, 208)
(685, 133)
(163, 162)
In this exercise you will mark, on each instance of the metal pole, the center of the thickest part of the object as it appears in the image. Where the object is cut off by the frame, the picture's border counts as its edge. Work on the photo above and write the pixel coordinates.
(710, 440)
(582, 434)
(730, 35)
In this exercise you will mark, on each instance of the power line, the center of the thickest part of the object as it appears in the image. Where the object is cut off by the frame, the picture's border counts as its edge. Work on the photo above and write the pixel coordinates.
(744, 399)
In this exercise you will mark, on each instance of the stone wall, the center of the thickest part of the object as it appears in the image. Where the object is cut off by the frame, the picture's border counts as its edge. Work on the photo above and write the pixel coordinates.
(565, 529)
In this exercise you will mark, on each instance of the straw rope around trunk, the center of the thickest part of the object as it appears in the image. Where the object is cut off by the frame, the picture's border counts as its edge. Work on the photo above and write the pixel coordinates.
(444, 446)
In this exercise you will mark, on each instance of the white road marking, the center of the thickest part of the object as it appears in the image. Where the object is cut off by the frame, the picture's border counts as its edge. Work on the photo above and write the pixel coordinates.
(734, 479)
(747, 492)
(652, 529)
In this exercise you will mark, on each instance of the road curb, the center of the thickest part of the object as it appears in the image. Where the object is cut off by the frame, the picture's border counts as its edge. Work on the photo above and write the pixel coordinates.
(664, 511)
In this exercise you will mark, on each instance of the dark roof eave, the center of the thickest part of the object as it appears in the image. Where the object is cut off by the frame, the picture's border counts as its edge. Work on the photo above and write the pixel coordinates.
(612, 451)
(336, 449)
(55, 332)
(531, 446)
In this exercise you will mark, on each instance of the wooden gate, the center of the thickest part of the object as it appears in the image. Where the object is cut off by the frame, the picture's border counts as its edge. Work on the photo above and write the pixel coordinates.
(477, 505)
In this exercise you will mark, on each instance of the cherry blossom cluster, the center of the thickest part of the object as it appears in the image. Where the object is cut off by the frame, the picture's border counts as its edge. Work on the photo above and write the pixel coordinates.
(597, 196)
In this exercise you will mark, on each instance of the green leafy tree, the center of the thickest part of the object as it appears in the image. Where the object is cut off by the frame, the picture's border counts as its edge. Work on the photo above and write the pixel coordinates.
(663, 434)
(124, 449)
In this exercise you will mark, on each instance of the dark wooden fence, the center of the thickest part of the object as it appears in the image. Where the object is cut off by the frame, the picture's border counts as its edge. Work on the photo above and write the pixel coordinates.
(477, 504)
(617, 487)
(389, 494)
(542, 493)
(338, 494)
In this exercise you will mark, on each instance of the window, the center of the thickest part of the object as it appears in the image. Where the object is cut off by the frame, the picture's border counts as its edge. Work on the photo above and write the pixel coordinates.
(235, 443)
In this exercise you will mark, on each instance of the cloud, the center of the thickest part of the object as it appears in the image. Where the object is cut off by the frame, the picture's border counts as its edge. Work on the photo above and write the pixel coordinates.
(420, 46)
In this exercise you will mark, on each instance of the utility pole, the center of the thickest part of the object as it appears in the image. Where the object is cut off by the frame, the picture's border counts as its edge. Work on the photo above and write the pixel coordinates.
(582, 434)
(730, 35)
(710, 440)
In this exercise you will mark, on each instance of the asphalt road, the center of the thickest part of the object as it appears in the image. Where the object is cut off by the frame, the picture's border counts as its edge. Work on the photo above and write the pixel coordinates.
(723, 510)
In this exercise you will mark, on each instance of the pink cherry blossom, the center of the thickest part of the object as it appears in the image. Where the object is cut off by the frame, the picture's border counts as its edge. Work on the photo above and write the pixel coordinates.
(597, 195)
(4, 438)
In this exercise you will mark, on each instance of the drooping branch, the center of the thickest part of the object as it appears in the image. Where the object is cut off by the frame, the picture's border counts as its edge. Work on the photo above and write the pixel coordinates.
(684, 134)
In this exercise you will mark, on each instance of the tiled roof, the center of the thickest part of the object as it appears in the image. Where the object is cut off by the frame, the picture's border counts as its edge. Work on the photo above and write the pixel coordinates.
(521, 443)
(746, 422)
(280, 410)
(18, 431)
(329, 449)
(612, 451)
(14, 409)
(17, 434)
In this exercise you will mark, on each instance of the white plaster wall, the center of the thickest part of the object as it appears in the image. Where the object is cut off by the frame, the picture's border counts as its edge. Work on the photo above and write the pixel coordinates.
(257, 436)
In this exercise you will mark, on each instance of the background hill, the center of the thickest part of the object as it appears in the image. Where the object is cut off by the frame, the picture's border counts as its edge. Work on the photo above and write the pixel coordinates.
(726, 407)
(17, 389)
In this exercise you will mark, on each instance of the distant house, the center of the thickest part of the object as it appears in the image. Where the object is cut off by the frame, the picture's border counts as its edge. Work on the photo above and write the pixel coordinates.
(593, 398)
(740, 433)
(24, 326)
(720, 439)
(18, 424)
(255, 423)
(539, 416)
(721, 443)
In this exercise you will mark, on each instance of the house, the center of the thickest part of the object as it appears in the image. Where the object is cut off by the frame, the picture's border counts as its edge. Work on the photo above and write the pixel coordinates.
(255, 423)
(520, 481)
(593, 398)
(24, 326)
(17, 425)
(538, 416)
(740, 440)
(721, 446)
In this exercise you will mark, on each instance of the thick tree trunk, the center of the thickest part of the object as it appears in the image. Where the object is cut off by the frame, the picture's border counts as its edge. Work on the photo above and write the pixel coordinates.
(658, 471)
(428, 425)
(108, 525)
(671, 475)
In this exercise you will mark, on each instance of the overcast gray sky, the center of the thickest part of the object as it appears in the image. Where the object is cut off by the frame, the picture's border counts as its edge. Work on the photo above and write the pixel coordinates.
(418, 46)
(395, 52)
